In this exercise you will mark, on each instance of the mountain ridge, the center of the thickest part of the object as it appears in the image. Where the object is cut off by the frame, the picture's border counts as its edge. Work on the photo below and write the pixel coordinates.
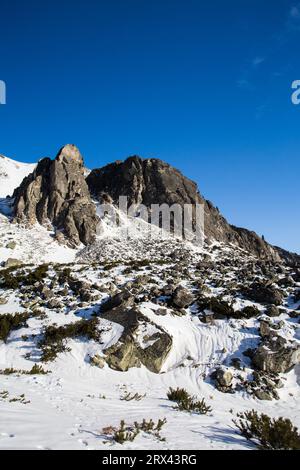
(144, 181)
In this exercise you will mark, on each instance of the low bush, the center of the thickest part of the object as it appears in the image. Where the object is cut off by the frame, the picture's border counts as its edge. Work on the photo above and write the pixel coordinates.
(268, 433)
(35, 370)
(186, 402)
(177, 394)
(129, 433)
(12, 280)
(10, 322)
(125, 433)
(217, 306)
(54, 336)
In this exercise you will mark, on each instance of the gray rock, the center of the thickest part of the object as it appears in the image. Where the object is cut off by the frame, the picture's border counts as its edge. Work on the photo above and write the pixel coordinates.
(12, 263)
(97, 361)
(262, 293)
(11, 245)
(277, 356)
(56, 193)
(182, 298)
(127, 352)
(123, 298)
(152, 181)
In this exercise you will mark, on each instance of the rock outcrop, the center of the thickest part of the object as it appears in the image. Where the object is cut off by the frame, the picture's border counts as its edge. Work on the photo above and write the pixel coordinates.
(135, 347)
(152, 181)
(276, 355)
(56, 194)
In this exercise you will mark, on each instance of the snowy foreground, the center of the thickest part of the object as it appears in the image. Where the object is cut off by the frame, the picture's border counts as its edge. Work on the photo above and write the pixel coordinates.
(69, 407)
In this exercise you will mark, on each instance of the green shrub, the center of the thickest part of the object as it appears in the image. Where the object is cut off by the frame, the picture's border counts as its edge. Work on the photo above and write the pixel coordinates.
(129, 433)
(177, 394)
(185, 402)
(50, 352)
(35, 370)
(53, 339)
(150, 427)
(268, 433)
(10, 322)
(125, 433)
(12, 280)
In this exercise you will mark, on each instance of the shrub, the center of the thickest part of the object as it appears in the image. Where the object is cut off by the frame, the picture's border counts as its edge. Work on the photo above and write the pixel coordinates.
(129, 433)
(53, 340)
(10, 322)
(185, 402)
(12, 280)
(150, 427)
(35, 370)
(268, 433)
(177, 394)
(125, 433)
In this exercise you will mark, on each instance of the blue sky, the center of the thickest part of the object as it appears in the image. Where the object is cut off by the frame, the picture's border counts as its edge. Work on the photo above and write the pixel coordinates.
(204, 85)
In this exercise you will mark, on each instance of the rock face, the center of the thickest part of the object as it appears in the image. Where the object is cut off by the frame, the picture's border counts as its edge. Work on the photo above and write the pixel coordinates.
(152, 181)
(56, 194)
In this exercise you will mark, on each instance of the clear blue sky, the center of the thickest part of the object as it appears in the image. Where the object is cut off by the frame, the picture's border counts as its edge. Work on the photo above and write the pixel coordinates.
(204, 85)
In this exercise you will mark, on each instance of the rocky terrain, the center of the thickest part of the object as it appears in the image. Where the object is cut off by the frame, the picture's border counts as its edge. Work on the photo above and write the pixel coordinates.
(112, 322)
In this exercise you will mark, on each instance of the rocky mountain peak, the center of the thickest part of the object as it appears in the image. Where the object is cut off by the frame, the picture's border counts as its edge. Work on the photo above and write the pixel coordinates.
(152, 181)
(56, 194)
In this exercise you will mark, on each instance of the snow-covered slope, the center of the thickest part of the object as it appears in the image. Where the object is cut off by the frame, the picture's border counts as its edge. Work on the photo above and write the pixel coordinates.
(78, 400)
(12, 174)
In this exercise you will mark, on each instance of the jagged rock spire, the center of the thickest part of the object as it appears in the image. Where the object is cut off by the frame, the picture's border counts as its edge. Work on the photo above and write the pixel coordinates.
(56, 194)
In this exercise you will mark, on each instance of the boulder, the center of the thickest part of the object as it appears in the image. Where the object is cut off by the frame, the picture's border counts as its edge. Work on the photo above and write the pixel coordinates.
(12, 263)
(128, 351)
(182, 298)
(123, 298)
(261, 293)
(223, 379)
(276, 355)
(97, 361)
(11, 245)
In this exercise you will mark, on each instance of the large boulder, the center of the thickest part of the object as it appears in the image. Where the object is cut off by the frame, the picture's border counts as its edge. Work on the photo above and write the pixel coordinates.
(276, 355)
(56, 195)
(182, 298)
(265, 294)
(135, 348)
(123, 298)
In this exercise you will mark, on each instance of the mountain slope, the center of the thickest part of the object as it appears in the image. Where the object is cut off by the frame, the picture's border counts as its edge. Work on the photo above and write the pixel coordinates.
(12, 174)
